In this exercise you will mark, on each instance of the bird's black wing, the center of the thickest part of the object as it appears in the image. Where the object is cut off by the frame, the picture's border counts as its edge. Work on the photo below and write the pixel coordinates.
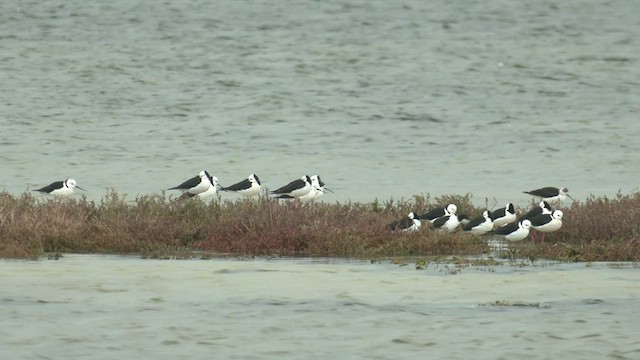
(531, 213)
(507, 229)
(284, 196)
(433, 214)
(294, 185)
(403, 223)
(544, 192)
(473, 223)
(242, 185)
(500, 213)
(193, 182)
(440, 221)
(53, 186)
(540, 219)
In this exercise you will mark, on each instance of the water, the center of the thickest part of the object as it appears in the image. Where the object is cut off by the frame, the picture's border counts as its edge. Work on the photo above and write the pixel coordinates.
(102, 307)
(383, 99)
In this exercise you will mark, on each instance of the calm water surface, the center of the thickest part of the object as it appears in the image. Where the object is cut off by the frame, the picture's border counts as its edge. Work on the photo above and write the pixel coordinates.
(383, 99)
(103, 307)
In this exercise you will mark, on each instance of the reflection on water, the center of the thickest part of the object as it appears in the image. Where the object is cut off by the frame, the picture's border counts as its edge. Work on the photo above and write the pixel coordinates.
(122, 307)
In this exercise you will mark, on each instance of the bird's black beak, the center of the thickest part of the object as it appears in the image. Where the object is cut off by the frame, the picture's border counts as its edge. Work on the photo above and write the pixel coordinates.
(329, 190)
(78, 187)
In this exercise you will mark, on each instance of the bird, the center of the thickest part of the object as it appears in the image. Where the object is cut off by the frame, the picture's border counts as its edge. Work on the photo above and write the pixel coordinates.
(320, 186)
(209, 193)
(551, 194)
(542, 208)
(311, 195)
(409, 223)
(547, 222)
(448, 223)
(248, 187)
(196, 184)
(436, 213)
(480, 225)
(515, 231)
(294, 189)
(503, 216)
(62, 189)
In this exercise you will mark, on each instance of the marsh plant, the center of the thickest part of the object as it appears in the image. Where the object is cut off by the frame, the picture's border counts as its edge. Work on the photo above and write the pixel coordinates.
(597, 229)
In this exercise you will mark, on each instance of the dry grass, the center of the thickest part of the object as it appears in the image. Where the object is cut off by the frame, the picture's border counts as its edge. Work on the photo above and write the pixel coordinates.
(598, 229)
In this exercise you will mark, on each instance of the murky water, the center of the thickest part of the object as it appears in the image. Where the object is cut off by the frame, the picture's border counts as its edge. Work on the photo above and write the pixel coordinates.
(381, 98)
(104, 307)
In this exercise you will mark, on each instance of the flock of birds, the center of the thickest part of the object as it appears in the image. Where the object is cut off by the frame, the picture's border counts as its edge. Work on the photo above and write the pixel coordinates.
(205, 186)
(503, 221)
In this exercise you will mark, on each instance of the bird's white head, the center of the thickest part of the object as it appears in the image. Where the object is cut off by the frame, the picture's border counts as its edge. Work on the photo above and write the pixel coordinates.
(71, 184)
(557, 214)
(253, 178)
(451, 209)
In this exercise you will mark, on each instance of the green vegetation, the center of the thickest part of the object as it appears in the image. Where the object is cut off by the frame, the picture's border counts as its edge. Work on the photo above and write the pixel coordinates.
(599, 229)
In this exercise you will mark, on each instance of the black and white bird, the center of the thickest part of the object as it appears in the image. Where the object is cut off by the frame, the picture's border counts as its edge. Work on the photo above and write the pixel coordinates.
(205, 195)
(408, 223)
(448, 223)
(515, 231)
(320, 186)
(547, 222)
(542, 208)
(250, 186)
(61, 189)
(480, 225)
(313, 194)
(551, 194)
(195, 185)
(294, 189)
(503, 216)
(436, 213)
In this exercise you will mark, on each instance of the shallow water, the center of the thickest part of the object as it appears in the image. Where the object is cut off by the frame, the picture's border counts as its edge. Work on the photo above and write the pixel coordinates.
(383, 99)
(106, 307)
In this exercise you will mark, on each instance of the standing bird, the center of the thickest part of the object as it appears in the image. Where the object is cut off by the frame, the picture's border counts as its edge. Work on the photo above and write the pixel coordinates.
(551, 194)
(503, 216)
(195, 185)
(448, 223)
(542, 208)
(62, 189)
(248, 187)
(480, 225)
(408, 223)
(547, 222)
(311, 195)
(436, 213)
(209, 193)
(515, 231)
(320, 186)
(294, 189)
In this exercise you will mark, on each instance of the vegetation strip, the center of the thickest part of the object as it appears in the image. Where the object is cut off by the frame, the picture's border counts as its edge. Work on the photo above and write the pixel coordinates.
(598, 229)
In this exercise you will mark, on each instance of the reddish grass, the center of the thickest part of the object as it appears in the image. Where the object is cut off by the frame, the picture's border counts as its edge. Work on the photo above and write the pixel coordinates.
(598, 229)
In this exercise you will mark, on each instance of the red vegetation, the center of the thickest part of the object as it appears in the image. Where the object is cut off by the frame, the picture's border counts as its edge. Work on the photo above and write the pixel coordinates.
(598, 229)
